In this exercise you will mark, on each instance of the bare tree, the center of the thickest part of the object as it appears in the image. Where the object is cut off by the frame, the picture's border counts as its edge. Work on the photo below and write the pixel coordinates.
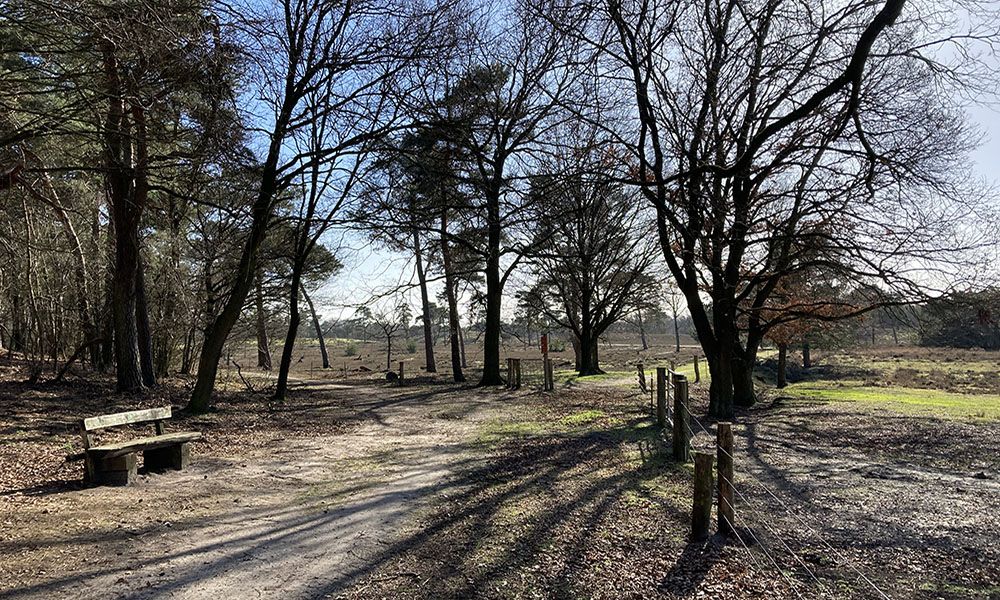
(313, 59)
(594, 246)
(765, 157)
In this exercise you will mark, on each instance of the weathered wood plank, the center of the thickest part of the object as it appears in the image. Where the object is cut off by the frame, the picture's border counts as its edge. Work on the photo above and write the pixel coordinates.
(148, 443)
(126, 418)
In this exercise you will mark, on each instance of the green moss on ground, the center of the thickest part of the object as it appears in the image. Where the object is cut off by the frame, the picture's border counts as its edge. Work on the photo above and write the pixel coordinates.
(909, 400)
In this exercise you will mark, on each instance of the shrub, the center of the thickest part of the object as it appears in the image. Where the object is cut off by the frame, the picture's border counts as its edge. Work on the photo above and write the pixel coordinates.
(411, 347)
(351, 349)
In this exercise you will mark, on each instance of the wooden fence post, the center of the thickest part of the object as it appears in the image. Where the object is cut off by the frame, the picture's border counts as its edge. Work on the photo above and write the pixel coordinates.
(724, 442)
(661, 396)
(641, 373)
(510, 373)
(400, 370)
(517, 373)
(701, 508)
(682, 431)
(697, 371)
(549, 372)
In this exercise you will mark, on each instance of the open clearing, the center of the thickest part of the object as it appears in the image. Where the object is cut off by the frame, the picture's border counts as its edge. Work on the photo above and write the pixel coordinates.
(430, 490)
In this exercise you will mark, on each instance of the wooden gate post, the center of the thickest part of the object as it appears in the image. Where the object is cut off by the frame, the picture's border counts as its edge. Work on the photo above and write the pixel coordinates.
(727, 512)
(661, 396)
(549, 373)
(682, 431)
(697, 371)
(701, 508)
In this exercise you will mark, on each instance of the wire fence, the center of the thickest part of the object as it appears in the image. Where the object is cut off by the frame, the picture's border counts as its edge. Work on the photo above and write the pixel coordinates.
(777, 546)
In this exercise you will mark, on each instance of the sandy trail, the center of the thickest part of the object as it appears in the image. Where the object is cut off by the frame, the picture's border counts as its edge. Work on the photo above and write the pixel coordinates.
(302, 518)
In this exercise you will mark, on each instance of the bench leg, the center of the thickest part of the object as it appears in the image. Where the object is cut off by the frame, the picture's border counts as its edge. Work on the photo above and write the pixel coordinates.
(174, 457)
(120, 470)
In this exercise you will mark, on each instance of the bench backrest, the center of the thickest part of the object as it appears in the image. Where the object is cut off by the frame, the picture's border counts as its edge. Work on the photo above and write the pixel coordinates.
(158, 415)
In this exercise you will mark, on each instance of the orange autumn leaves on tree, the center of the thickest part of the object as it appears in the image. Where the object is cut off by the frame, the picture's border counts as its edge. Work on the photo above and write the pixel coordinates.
(801, 306)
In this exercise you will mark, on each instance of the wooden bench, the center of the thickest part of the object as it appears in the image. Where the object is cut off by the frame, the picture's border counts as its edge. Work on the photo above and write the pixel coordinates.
(114, 464)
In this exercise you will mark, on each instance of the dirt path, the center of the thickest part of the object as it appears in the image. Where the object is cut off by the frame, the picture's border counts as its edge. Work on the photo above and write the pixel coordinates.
(302, 517)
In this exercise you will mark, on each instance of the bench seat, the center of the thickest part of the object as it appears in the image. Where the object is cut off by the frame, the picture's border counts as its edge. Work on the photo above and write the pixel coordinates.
(143, 444)
(115, 464)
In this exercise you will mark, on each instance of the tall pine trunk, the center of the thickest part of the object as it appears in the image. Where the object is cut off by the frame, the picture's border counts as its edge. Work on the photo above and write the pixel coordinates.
(124, 214)
(140, 195)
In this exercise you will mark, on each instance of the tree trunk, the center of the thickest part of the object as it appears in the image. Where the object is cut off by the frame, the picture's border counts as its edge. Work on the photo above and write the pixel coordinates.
(782, 361)
(743, 386)
(577, 352)
(806, 359)
(127, 367)
(17, 327)
(642, 332)
(319, 329)
(720, 391)
(119, 163)
(425, 304)
(281, 389)
(454, 324)
(589, 360)
(494, 298)
(461, 340)
(263, 348)
(218, 330)
(388, 352)
(677, 335)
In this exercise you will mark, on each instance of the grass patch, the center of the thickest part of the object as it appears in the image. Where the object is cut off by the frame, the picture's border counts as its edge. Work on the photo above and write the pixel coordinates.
(924, 365)
(911, 400)
(570, 377)
(961, 590)
(585, 417)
